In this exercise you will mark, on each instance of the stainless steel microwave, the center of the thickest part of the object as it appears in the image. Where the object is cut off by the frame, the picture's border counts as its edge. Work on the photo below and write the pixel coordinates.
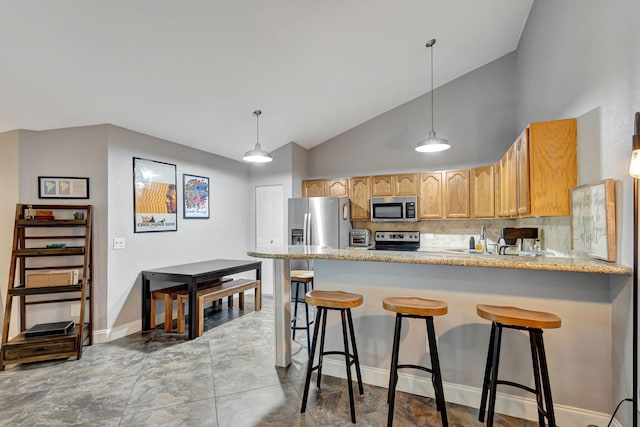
(394, 209)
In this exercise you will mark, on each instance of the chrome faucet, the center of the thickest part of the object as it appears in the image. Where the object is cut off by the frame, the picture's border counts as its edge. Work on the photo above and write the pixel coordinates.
(483, 238)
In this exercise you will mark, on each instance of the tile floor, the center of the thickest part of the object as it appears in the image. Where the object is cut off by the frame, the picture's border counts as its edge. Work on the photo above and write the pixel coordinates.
(224, 378)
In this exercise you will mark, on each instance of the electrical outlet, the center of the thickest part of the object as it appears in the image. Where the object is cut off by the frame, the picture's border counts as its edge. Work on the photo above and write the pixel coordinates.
(428, 236)
(74, 310)
(118, 243)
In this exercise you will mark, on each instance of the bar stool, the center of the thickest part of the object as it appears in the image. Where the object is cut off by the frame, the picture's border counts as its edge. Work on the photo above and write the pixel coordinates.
(524, 320)
(301, 279)
(343, 302)
(416, 308)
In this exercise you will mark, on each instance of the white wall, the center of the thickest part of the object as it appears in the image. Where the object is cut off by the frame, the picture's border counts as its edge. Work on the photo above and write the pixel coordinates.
(224, 235)
(9, 197)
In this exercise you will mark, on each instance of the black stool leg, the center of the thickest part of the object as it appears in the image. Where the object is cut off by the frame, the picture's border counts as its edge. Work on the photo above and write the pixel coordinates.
(308, 328)
(393, 374)
(310, 364)
(494, 375)
(487, 374)
(546, 385)
(321, 354)
(536, 376)
(348, 364)
(436, 375)
(356, 359)
(294, 321)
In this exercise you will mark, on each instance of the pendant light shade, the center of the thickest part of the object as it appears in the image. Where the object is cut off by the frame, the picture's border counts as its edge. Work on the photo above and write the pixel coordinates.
(432, 143)
(257, 155)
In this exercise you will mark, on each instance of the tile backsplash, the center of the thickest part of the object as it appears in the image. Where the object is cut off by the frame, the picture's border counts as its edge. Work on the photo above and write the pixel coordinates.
(555, 233)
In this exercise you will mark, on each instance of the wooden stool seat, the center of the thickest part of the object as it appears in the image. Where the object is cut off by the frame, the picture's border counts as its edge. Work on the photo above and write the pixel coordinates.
(333, 299)
(515, 316)
(416, 306)
(301, 275)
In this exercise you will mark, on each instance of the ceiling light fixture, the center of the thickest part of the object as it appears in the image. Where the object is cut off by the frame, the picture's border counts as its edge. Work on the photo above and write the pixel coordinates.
(257, 155)
(433, 143)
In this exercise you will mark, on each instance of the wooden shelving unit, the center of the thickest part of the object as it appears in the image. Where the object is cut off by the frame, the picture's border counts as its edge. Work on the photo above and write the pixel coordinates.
(30, 253)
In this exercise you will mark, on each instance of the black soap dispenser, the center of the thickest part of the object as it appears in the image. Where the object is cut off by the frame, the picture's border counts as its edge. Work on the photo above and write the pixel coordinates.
(472, 243)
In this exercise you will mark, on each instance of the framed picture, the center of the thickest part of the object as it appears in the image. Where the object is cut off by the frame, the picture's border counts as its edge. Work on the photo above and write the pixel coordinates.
(593, 220)
(195, 196)
(155, 203)
(59, 187)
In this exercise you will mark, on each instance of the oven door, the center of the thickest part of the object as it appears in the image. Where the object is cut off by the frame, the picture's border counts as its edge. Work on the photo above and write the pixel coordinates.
(388, 211)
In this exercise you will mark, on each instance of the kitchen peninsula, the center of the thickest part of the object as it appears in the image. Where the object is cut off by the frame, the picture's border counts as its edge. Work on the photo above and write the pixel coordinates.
(580, 291)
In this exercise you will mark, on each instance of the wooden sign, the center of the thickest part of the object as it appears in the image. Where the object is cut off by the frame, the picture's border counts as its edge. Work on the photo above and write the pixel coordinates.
(593, 220)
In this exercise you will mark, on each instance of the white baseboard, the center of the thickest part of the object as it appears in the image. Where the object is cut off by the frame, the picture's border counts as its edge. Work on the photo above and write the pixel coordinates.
(525, 408)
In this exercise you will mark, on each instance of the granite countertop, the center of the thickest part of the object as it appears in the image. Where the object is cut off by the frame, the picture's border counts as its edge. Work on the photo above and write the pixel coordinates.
(579, 265)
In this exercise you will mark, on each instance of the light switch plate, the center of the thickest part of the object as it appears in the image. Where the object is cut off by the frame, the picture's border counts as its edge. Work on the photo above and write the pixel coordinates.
(118, 243)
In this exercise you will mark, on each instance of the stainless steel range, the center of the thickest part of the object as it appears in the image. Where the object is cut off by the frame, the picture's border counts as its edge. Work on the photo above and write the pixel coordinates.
(397, 240)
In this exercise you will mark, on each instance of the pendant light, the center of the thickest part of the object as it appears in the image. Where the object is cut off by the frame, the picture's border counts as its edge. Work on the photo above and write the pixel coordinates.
(433, 143)
(257, 155)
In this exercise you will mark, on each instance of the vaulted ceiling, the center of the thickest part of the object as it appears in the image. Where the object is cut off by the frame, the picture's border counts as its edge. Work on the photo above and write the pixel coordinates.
(193, 72)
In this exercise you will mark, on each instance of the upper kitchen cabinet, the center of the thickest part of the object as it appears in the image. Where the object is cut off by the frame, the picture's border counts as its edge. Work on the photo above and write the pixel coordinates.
(337, 187)
(512, 182)
(313, 188)
(552, 159)
(394, 185)
(360, 190)
(482, 192)
(521, 148)
(430, 195)
(325, 188)
(456, 192)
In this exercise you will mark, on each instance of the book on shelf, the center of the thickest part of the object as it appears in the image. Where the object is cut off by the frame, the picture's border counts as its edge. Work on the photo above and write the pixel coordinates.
(46, 329)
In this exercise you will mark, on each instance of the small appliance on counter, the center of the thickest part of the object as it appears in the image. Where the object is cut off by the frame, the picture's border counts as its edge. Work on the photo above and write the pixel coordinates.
(397, 240)
(360, 237)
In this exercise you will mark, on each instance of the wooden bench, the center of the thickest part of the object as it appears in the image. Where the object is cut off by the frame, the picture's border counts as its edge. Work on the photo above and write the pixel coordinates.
(227, 289)
(167, 295)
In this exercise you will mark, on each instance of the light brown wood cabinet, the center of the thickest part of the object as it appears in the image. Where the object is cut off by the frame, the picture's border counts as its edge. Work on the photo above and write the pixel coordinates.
(313, 188)
(360, 191)
(325, 187)
(430, 195)
(533, 178)
(553, 166)
(337, 187)
(512, 181)
(482, 192)
(456, 201)
(394, 185)
(521, 147)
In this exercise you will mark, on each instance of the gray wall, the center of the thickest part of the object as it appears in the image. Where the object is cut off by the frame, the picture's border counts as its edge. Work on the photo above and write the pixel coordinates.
(224, 235)
(9, 197)
(70, 152)
(579, 58)
(476, 113)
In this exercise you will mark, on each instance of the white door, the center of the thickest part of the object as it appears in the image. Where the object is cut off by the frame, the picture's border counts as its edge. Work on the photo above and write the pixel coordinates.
(269, 227)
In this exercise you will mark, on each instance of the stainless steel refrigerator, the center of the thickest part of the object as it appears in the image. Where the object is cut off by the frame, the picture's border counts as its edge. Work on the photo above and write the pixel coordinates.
(319, 221)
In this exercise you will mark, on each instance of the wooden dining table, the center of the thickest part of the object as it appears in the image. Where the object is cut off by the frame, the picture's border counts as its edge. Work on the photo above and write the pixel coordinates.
(191, 274)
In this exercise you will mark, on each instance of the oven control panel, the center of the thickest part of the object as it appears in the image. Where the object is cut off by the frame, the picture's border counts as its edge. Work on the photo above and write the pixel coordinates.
(398, 236)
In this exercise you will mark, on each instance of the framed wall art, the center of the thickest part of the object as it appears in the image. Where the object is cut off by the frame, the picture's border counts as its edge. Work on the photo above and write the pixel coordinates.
(58, 187)
(195, 196)
(155, 203)
(593, 220)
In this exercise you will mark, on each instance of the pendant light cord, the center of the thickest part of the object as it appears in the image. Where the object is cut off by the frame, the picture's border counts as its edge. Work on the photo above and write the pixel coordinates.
(257, 114)
(432, 127)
